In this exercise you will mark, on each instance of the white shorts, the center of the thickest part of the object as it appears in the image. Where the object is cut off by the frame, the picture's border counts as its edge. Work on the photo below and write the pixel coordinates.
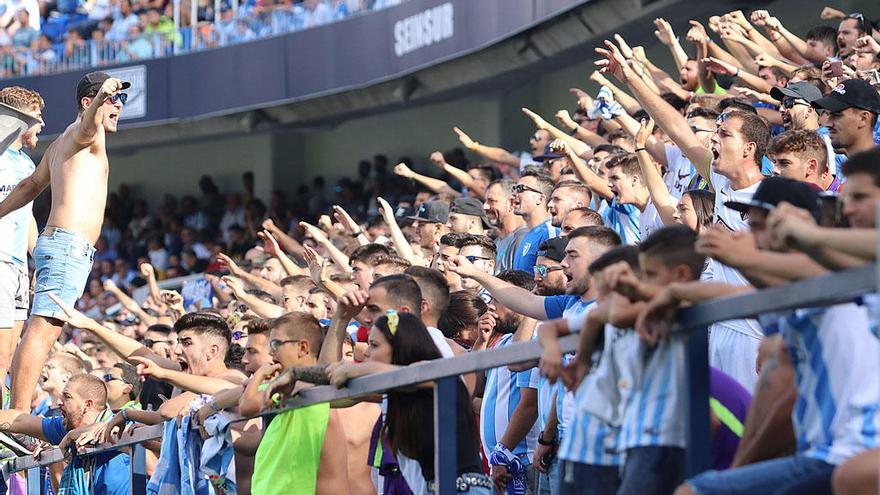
(734, 353)
(14, 294)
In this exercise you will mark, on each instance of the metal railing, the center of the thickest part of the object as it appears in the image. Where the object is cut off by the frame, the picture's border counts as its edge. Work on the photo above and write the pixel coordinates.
(243, 25)
(819, 291)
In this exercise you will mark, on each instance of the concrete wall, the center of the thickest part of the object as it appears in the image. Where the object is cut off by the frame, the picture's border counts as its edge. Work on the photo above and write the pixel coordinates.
(153, 172)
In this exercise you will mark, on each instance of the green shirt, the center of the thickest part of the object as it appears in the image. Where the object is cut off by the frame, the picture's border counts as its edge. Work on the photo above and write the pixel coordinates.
(289, 455)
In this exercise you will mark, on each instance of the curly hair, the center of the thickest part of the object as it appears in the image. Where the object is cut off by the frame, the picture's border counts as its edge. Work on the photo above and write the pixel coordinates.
(21, 98)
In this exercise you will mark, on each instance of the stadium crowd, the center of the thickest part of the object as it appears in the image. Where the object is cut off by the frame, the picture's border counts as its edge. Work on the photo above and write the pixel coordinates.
(754, 164)
(40, 36)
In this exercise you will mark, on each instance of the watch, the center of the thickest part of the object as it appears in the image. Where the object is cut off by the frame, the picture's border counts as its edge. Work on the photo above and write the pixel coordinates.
(357, 234)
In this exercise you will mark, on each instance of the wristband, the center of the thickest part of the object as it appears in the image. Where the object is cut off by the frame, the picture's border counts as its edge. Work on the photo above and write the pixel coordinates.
(736, 74)
(574, 131)
(213, 405)
(640, 149)
(357, 234)
(545, 442)
(124, 415)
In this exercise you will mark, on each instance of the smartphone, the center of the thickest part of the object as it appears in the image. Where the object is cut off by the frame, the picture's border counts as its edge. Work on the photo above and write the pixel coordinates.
(835, 67)
(873, 77)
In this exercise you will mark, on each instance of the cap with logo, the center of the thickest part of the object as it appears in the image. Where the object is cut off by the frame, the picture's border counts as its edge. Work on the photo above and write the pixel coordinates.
(852, 93)
(92, 82)
(553, 248)
(472, 207)
(548, 155)
(432, 212)
(800, 89)
(775, 190)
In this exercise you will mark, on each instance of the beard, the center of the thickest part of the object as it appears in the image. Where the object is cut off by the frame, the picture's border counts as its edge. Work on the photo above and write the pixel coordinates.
(508, 324)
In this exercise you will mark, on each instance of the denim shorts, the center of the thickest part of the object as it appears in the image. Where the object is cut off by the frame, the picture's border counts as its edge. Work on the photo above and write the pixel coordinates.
(64, 261)
(767, 477)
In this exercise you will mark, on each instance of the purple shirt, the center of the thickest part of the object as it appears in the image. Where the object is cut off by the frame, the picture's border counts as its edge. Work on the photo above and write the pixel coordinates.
(736, 399)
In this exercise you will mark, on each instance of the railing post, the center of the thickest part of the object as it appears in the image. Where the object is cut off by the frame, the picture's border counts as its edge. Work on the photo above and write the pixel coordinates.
(446, 455)
(34, 481)
(697, 373)
(138, 470)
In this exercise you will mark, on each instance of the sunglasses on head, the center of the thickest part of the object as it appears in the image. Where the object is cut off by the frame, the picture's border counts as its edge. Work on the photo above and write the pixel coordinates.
(544, 270)
(863, 25)
(696, 129)
(521, 188)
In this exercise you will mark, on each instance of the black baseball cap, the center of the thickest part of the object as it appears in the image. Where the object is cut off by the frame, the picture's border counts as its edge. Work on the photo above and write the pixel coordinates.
(92, 82)
(553, 248)
(800, 89)
(775, 190)
(548, 155)
(852, 93)
(433, 212)
(472, 207)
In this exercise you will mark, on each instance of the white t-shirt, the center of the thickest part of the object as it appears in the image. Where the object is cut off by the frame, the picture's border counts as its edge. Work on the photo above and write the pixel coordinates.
(441, 342)
(679, 171)
(734, 221)
(649, 220)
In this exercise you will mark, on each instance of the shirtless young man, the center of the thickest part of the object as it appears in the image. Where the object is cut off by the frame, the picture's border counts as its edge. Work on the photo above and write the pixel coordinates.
(76, 166)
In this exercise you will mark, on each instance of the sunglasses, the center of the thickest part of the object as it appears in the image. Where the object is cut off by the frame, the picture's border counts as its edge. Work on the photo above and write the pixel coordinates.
(109, 378)
(792, 102)
(521, 188)
(473, 259)
(151, 342)
(276, 344)
(123, 97)
(863, 25)
(544, 270)
(536, 137)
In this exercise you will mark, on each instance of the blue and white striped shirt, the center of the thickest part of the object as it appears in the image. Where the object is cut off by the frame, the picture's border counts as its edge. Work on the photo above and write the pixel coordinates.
(834, 356)
(623, 219)
(586, 438)
(654, 413)
(500, 399)
(527, 253)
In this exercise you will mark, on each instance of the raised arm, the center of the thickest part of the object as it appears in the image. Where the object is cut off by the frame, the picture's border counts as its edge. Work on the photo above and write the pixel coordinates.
(792, 48)
(272, 248)
(492, 153)
(28, 189)
(630, 104)
(86, 130)
(666, 36)
(289, 244)
(586, 175)
(513, 297)
(401, 245)
(587, 136)
(129, 303)
(669, 119)
(577, 145)
(664, 202)
(354, 229)
(435, 185)
(124, 346)
(149, 273)
(262, 308)
(458, 174)
(252, 280)
(720, 67)
(348, 306)
(338, 257)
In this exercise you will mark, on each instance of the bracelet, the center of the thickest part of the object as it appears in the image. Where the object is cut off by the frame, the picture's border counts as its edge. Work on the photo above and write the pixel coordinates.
(736, 74)
(213, 405)
(640, 149)
(124, 415)
(574, 131)
(357, 234)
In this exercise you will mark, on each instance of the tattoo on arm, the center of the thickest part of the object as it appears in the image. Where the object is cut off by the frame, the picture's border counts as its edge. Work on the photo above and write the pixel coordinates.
(311, 374)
